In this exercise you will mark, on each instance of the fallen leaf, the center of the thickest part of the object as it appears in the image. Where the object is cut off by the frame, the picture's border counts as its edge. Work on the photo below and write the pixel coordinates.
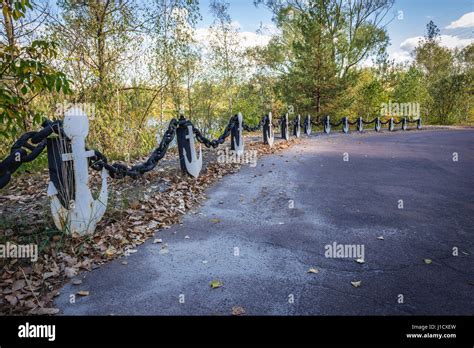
(110, 251)
(83, 293)
(356, 284)
(360, 261)
(215, 221)
(152, 224)
(428, 261)
(186, 237)
(44, 311)
(70, 272)
(158, 240)
(135, 205)
(313, 270)
(11, 299)
(47, 275)
(164, 251)
(380, 238)
(216, 284)
(124, 263)
(237, 310)
(19, 284)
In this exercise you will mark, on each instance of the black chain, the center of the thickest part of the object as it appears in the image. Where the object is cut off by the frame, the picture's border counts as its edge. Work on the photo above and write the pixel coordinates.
(369, 122)
(336, 124)
(219, 141)
(254, 128)
(34, 142)
(119, 170)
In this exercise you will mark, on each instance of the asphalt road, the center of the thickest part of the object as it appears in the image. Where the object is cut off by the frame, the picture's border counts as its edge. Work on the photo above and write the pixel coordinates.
(263, 228)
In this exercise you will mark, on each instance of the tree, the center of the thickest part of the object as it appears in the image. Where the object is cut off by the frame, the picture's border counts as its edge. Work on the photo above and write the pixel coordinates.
(170, 25)
(327, 40)
(25, 73)
(448, 76)
(96, 38)
(226, 55)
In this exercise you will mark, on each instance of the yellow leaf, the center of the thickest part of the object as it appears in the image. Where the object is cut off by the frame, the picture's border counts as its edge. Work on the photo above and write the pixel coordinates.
(83, 293)
(110, 251)
(237, 310)
(216, 284)
(313, 270)
(215, 221)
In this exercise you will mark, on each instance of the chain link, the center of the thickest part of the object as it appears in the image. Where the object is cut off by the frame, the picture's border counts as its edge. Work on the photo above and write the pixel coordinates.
(336, 124)
(254, 128)
(369, 122)
(27, 148)
(120, 170)
(219, 141)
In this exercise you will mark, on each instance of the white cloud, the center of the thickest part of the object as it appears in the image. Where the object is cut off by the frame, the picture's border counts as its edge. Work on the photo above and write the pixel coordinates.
(401, 56)
(466, 21)
(407, 46)
(448, 41)
(250, 39)
(246, 39)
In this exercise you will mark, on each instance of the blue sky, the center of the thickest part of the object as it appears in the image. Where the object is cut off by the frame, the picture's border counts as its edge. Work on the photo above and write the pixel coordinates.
(403, 32)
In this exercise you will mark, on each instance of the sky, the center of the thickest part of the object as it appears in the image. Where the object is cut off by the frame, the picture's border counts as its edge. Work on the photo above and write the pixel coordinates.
(455, 19)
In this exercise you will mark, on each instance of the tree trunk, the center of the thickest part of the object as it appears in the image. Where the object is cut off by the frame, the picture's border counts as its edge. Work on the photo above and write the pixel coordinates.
(318, 100)
(8, 23)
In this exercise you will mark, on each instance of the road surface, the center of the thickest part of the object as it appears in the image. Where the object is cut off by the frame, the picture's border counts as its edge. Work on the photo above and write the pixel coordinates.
(263, 228)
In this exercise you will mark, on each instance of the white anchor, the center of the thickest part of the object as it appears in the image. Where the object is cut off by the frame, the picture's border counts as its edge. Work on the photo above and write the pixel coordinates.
(194, 167)
(270, 134)
(84, 212)
(239, 149)
(298, 123)
(308, 125)
(327, 125)
(346, 125)
(287, 135)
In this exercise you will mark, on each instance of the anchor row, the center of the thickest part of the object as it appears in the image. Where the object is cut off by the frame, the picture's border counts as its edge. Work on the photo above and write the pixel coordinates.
(73, 207)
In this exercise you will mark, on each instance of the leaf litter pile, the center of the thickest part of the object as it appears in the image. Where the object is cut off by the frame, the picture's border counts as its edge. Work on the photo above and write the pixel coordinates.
(137, 209)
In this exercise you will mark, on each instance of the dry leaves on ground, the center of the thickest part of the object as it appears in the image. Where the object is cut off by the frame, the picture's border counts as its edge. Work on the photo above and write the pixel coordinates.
(137, 210)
